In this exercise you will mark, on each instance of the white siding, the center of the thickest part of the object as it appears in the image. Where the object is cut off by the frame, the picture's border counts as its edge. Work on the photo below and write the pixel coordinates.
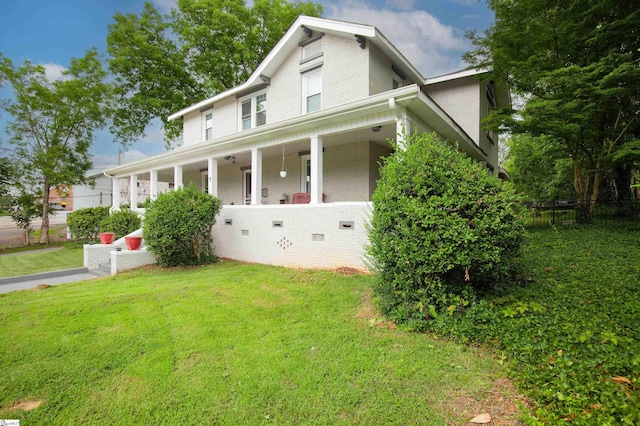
(380, 72)
(460, 99)
(345, 71)
(284, 95)
(192, 128)
(310, 235)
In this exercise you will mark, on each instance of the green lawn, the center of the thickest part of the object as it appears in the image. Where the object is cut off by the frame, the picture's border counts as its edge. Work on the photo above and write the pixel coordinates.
(570, 332)
(231, 344)
(23, 263)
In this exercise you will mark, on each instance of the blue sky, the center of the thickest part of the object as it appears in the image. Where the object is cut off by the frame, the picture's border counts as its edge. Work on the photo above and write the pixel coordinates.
(430, 33)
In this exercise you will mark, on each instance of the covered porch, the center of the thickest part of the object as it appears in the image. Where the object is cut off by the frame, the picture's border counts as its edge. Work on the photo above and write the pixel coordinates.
(315, 214)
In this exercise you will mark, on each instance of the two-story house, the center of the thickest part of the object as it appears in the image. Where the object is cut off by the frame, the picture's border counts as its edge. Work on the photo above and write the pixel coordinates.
(294, 152)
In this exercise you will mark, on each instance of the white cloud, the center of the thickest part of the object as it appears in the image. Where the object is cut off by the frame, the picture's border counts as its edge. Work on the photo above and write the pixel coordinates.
(400, 4)
(165, 5)
(155, 135)
(53, 72)
(101, 161)
(432, 47)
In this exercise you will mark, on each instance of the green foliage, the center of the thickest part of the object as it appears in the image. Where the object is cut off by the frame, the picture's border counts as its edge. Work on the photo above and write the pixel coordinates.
(29, 207)
(442, 228)
(177, 227)
(576, 64)
(52, 124)
(540, 168)
(85, 223)
(163, 63)
(569, 333)
(121, 222)
(6, 177)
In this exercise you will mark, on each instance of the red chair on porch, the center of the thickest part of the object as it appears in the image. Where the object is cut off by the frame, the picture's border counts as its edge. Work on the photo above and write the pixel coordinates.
(303, 198)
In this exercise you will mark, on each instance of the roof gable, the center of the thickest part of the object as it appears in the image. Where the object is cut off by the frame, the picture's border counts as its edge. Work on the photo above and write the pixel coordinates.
(302, 29)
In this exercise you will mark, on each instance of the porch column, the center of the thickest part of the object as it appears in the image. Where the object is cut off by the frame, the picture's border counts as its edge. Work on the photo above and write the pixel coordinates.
(177, 177)
(403, 128)
(115, 196)
(256, 176)
(153, 185)
(133, 182)
(316, 170)
(212, 179)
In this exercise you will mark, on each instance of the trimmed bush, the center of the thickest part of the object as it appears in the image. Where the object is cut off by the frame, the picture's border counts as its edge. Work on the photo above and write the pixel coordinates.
(84, 224)
(177, 227)
(442, 228)
(121, 222)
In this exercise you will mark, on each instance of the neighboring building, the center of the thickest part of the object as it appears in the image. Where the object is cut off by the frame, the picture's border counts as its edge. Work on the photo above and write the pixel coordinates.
(99, 193)
(322, 107)
(61, 198)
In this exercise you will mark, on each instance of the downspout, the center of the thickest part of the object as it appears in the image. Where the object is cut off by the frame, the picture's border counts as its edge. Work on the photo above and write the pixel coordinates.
(112, 209)
(401, 121)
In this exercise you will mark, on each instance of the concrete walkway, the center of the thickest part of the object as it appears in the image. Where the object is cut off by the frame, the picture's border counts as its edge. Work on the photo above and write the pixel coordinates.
(25, 282)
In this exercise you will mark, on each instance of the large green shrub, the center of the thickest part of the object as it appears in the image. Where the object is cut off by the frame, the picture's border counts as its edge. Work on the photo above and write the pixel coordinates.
(442, 228)
(177, 227)
(121, 222)
(84, 224)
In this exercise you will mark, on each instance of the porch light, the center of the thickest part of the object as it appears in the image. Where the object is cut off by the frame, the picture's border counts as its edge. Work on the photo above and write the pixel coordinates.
(376, 129)
(283, 170)
(230, 158)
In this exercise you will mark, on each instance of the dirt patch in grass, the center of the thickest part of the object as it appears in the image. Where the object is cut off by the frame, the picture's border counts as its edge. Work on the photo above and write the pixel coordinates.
(345, 270)
(42, 287)
(26, 405)
(501, 402)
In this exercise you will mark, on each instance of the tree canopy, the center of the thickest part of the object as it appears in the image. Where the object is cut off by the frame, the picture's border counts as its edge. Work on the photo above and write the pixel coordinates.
(577, 62)
(163, 63)
(52, 124)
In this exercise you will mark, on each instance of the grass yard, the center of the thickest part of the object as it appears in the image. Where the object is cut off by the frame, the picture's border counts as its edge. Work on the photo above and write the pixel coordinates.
(22, 263)
(570, 333)
(232, 344)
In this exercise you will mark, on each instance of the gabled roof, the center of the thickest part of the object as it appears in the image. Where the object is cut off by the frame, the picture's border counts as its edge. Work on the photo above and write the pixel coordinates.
(290, 42)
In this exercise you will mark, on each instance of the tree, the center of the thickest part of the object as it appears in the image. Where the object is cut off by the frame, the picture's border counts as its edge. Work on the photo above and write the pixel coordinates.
(539, 167)
(163, 63)
(6, 176)
(578, 64)
(52, 124)
(28, 207)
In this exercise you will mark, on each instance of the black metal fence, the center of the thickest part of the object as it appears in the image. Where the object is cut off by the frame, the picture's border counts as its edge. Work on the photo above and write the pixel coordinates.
(574, 213)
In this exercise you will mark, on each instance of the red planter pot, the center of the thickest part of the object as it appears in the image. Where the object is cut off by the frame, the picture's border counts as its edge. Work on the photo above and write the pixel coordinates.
(107, 237)
(133, 243)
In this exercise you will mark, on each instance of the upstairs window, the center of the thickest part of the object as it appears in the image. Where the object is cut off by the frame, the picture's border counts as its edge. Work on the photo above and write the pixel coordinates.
(312, 88)
(207, 125)
(261, 109)
(253, 111)
(246, 114)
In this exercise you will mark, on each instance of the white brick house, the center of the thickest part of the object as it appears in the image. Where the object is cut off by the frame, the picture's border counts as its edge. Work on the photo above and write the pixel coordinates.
(322, 106)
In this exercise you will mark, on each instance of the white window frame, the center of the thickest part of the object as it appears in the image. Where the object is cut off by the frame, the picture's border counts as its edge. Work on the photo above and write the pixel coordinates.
(204, 124)
(305, 83)
(253, 99)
